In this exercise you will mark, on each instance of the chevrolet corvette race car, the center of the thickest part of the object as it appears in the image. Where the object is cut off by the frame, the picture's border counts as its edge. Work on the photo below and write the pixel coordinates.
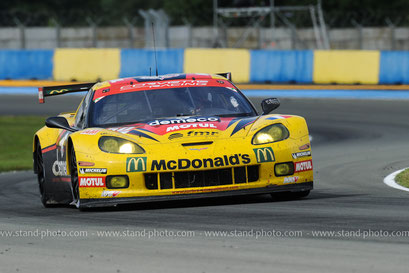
(169, 137)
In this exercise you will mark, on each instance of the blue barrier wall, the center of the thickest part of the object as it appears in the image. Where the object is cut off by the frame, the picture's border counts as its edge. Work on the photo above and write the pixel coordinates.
(281, 66)
(26, 64)
(135, 62)
(394, 67)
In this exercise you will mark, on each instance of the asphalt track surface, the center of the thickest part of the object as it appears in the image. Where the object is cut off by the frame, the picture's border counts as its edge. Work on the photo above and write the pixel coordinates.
(356, 144)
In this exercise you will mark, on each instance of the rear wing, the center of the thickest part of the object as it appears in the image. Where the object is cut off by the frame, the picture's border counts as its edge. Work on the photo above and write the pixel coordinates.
(47, 91)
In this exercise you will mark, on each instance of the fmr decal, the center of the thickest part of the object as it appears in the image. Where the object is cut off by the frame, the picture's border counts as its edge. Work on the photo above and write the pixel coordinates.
(110, 193)
(183, 120)
(182, 164)
(264, 154)
(301, 154)
(136, 164)
(59, 168)
(303, 166)
(292, 179)
(92, 181)
(93, 170)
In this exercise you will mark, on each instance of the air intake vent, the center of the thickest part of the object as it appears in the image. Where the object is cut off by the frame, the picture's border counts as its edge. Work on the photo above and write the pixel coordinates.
(197, 143)
(208, 178)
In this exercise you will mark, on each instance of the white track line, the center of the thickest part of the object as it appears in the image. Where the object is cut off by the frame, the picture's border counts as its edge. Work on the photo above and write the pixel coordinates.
(390, 181)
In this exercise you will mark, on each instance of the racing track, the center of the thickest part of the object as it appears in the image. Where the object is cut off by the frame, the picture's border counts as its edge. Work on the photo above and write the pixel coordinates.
(356, 144)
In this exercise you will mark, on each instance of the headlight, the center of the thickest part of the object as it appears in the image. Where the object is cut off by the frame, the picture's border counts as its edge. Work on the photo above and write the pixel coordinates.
(284, 169)
(118, 145)
(272, 133)
(117, 182)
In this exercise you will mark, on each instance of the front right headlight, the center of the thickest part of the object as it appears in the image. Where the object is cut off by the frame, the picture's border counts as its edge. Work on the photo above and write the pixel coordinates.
(272, 133)
(118, 145)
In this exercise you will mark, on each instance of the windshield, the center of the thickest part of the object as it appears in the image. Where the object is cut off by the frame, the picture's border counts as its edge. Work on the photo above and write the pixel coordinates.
(145, 105)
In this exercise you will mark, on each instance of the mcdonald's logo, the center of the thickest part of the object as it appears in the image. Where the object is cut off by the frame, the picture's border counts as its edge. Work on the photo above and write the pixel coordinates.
(136, 164)
(264, 154)
(52, 92)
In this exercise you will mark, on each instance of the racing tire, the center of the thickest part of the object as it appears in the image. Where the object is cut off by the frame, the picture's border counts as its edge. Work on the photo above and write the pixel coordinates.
(41, 176)
(74, 179)
(290, 195)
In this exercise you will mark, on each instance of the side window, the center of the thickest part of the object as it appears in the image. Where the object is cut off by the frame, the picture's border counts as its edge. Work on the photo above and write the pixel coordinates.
(81, 113)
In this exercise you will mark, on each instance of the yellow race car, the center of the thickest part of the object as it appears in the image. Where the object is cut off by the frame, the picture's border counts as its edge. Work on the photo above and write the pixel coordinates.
(170, 137)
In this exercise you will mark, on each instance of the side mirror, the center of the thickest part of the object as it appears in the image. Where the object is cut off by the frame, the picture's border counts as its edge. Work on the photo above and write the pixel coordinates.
(59, 123)
(269, 105)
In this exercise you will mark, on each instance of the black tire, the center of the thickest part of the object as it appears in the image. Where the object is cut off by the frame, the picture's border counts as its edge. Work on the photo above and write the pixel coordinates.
(290, 195)
(41, 176)
(74, 178)
(300, 194)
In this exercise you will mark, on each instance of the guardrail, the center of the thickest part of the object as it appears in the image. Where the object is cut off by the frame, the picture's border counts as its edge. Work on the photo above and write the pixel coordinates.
(257, 66)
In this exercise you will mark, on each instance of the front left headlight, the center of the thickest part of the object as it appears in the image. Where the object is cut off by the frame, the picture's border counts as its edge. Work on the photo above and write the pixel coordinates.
(118, 145)
(272, 133)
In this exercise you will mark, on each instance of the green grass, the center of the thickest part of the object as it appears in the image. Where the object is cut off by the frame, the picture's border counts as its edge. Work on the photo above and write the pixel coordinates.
(16, 137)
(403, 178)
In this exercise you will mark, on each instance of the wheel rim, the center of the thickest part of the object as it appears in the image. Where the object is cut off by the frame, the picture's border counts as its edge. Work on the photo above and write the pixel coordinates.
(74, 177)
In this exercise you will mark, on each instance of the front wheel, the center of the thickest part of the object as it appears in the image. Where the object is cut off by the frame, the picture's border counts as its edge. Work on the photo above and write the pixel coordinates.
(74, 180)
(41, 176)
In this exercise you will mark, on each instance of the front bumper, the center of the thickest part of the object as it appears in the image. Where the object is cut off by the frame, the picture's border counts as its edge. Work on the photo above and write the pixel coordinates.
(105, 202)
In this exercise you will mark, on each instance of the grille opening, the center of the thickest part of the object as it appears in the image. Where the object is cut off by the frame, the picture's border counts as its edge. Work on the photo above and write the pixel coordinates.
(240, 175)
(151, 181)
(197, 143)
(252, 173)
(208, 178)
(166, 181)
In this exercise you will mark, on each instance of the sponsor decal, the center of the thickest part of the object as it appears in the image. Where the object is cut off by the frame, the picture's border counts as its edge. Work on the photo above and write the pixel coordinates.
(201, 133)
(59, 168)
(90, 132)
(188, 126)
(136, 164)
(301, 154)
(110, 193)
(165, 84)
(198, 149)
(92, 182)
(264, 154)
(303, 166)
(52, 92)
(183, 120)
(181, 164)
(292, 179)
(93, 170)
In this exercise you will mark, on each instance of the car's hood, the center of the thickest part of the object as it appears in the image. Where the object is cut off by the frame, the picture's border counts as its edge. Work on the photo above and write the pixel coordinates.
(191, 129)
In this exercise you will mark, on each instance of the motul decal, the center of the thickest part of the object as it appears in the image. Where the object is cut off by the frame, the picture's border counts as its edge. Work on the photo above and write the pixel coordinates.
(303, 166)
(92, 182)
